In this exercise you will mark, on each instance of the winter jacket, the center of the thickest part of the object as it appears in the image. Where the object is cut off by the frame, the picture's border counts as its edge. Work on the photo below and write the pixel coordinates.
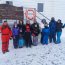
(35, 29)
(15, 31)
(59, 27)
(6, 33)
(27, 33)
(21, 28)
(52, 26)
(45, 35)
(28, 27)
(46, 31)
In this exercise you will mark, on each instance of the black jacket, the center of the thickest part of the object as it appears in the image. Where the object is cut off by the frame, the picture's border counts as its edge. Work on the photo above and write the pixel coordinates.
(21, 28)
(27, 35)
(59, 27)
(35, 29)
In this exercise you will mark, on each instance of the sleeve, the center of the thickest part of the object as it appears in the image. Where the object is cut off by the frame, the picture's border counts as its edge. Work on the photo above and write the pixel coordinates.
(38, 29)
(0, 29)
(31, 27)
(63, 25)
(42, 31)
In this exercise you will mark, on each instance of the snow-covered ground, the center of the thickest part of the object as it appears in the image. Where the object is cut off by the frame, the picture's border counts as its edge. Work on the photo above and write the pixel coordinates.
(51, 54)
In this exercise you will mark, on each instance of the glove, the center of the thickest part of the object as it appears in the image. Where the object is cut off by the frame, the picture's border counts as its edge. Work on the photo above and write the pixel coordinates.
(64, 25)
(10, 38)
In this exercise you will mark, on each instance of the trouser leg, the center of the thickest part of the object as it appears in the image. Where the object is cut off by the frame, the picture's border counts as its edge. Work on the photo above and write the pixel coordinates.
(7, 45)
(35, 40)
(54, 38)
(4, 47)
(50, 38)
(58, 37)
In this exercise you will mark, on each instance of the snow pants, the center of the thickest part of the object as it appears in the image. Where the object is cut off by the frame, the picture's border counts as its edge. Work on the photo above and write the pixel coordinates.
(58, 37)
(21, 42)
(35, 40)
(52, 37)
(5, 42)
(41, 37)
(28, 42)
(45, 39)
(15, 41)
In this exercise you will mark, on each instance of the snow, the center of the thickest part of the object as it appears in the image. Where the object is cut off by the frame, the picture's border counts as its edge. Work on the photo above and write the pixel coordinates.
(51, 54)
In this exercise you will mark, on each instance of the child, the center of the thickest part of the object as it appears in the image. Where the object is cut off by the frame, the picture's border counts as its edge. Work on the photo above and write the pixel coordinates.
(15, 32)
(28, 39)
(59, 27)
(45, 34)
(35, 32)
(6, 34)
(21, 41)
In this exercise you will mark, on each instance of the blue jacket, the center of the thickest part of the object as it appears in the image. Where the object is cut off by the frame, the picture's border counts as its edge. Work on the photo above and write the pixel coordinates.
(46, 31)
(52, 26)
(15, 31)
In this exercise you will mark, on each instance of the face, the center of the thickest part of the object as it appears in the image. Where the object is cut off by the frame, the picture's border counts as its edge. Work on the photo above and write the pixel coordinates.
(58, 21)
(15, 24)
(28, 22)
(5, 23)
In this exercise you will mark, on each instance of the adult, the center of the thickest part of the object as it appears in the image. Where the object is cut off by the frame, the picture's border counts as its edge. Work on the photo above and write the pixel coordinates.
(35, 32)
(45, 34)
(21, 27)
(5, 36)
(43, 22)
(52, 26)
(59, 26)
(15, 32)
(27, 35)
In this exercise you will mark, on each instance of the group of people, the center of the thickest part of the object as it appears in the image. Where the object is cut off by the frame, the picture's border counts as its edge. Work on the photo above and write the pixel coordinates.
(27, 35)
(20, 33)
(52, 31)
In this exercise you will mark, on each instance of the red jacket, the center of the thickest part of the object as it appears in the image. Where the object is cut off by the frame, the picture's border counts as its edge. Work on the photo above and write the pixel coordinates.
(6, 33)
(28, 29)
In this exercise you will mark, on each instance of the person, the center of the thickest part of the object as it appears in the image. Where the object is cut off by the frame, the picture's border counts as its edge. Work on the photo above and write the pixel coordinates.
(21, 27)
(15, 32)
(45, 34)
(27, 35)
(35, 32)
(52, 26)
(43, 22)
(59, 26)
(21, 42)
(6, 34)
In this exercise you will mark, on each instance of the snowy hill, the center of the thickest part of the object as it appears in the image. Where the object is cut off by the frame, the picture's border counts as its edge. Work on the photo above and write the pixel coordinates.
(51, 54)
